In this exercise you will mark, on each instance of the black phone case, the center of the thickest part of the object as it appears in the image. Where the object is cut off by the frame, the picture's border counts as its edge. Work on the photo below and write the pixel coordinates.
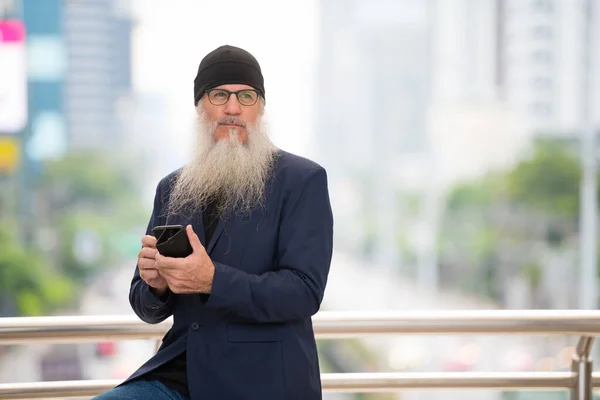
(174, 244)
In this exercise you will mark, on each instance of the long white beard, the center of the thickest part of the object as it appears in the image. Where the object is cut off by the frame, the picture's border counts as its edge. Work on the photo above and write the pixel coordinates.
(234, 173)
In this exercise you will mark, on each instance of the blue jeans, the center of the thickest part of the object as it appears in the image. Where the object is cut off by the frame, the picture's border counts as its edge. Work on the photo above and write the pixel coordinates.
(141, 390)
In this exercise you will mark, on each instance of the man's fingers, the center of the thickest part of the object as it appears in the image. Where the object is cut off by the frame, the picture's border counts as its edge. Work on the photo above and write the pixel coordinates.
(149, 241)
(168, 262)
(146, 263)
(149, 274)
(147, 252)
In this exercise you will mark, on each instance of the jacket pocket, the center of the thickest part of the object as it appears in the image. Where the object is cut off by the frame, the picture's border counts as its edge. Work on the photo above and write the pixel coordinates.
(253, 357)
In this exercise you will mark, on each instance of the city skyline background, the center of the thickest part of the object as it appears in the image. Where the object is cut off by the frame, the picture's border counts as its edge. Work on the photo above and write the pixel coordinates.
(459, 136)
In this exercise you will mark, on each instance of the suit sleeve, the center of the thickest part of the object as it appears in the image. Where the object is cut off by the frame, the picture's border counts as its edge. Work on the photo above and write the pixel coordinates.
(148, 306)
(296, 288)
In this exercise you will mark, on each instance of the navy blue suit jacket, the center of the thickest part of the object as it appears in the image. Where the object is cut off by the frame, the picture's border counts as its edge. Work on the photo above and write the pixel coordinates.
(252, 337)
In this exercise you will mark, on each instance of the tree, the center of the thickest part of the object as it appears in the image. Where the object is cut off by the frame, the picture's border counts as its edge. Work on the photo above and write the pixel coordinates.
(28, 285)
(548, 181)
(87, 212)
(93, 207)
(492, 225)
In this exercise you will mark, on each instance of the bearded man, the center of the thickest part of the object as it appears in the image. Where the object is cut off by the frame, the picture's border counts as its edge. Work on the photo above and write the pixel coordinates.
(260, 224)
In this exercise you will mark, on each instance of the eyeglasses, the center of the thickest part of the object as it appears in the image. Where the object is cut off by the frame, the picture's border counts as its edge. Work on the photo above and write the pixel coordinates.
(219, 97)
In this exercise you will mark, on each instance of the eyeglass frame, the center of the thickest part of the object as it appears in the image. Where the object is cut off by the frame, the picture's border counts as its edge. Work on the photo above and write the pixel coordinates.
(229, 93)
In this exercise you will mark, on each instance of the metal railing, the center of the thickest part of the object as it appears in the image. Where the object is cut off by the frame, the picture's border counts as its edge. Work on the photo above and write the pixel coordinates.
(330, 325)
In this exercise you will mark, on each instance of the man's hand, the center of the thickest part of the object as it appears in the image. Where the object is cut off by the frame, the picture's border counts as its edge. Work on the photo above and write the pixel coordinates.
(192, 274)
(147, 266)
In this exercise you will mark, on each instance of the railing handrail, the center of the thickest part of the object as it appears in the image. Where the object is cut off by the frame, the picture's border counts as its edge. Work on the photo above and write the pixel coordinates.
(346, 382)
(332, 324)
(327, 324)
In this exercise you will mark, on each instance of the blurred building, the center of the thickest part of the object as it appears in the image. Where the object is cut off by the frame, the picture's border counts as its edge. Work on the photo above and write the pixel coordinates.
(528, 55)
(505, 71)
(472, 129)
(98, 43)
(416, 96)
(372, 97)
(79, 68)
(542, 59)
(46, 133)
(78, 71)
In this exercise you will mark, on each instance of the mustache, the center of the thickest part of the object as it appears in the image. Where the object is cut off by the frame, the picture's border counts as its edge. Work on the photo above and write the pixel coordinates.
(231, 120)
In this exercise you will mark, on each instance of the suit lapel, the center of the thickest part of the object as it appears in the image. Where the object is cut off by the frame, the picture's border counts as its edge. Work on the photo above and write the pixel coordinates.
(216, 235)
(200, 230)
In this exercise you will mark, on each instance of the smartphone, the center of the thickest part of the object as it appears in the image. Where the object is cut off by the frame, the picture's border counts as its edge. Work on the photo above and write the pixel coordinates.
(172, 241)
(166, 230)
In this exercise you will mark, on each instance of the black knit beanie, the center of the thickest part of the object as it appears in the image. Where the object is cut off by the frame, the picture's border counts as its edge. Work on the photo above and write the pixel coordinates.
(227, 65)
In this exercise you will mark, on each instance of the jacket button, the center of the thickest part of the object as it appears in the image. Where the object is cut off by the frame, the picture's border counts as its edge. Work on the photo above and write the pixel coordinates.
(195, 326)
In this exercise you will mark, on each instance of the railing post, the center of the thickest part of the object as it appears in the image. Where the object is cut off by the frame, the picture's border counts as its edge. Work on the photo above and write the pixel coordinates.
(582, 367)
(587, 379)
(575, 368)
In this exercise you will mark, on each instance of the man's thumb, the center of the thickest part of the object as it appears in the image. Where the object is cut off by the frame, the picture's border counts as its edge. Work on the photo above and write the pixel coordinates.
(194, 239)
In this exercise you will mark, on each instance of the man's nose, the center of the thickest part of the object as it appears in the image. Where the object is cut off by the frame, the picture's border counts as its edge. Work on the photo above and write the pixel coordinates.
(233, 106)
